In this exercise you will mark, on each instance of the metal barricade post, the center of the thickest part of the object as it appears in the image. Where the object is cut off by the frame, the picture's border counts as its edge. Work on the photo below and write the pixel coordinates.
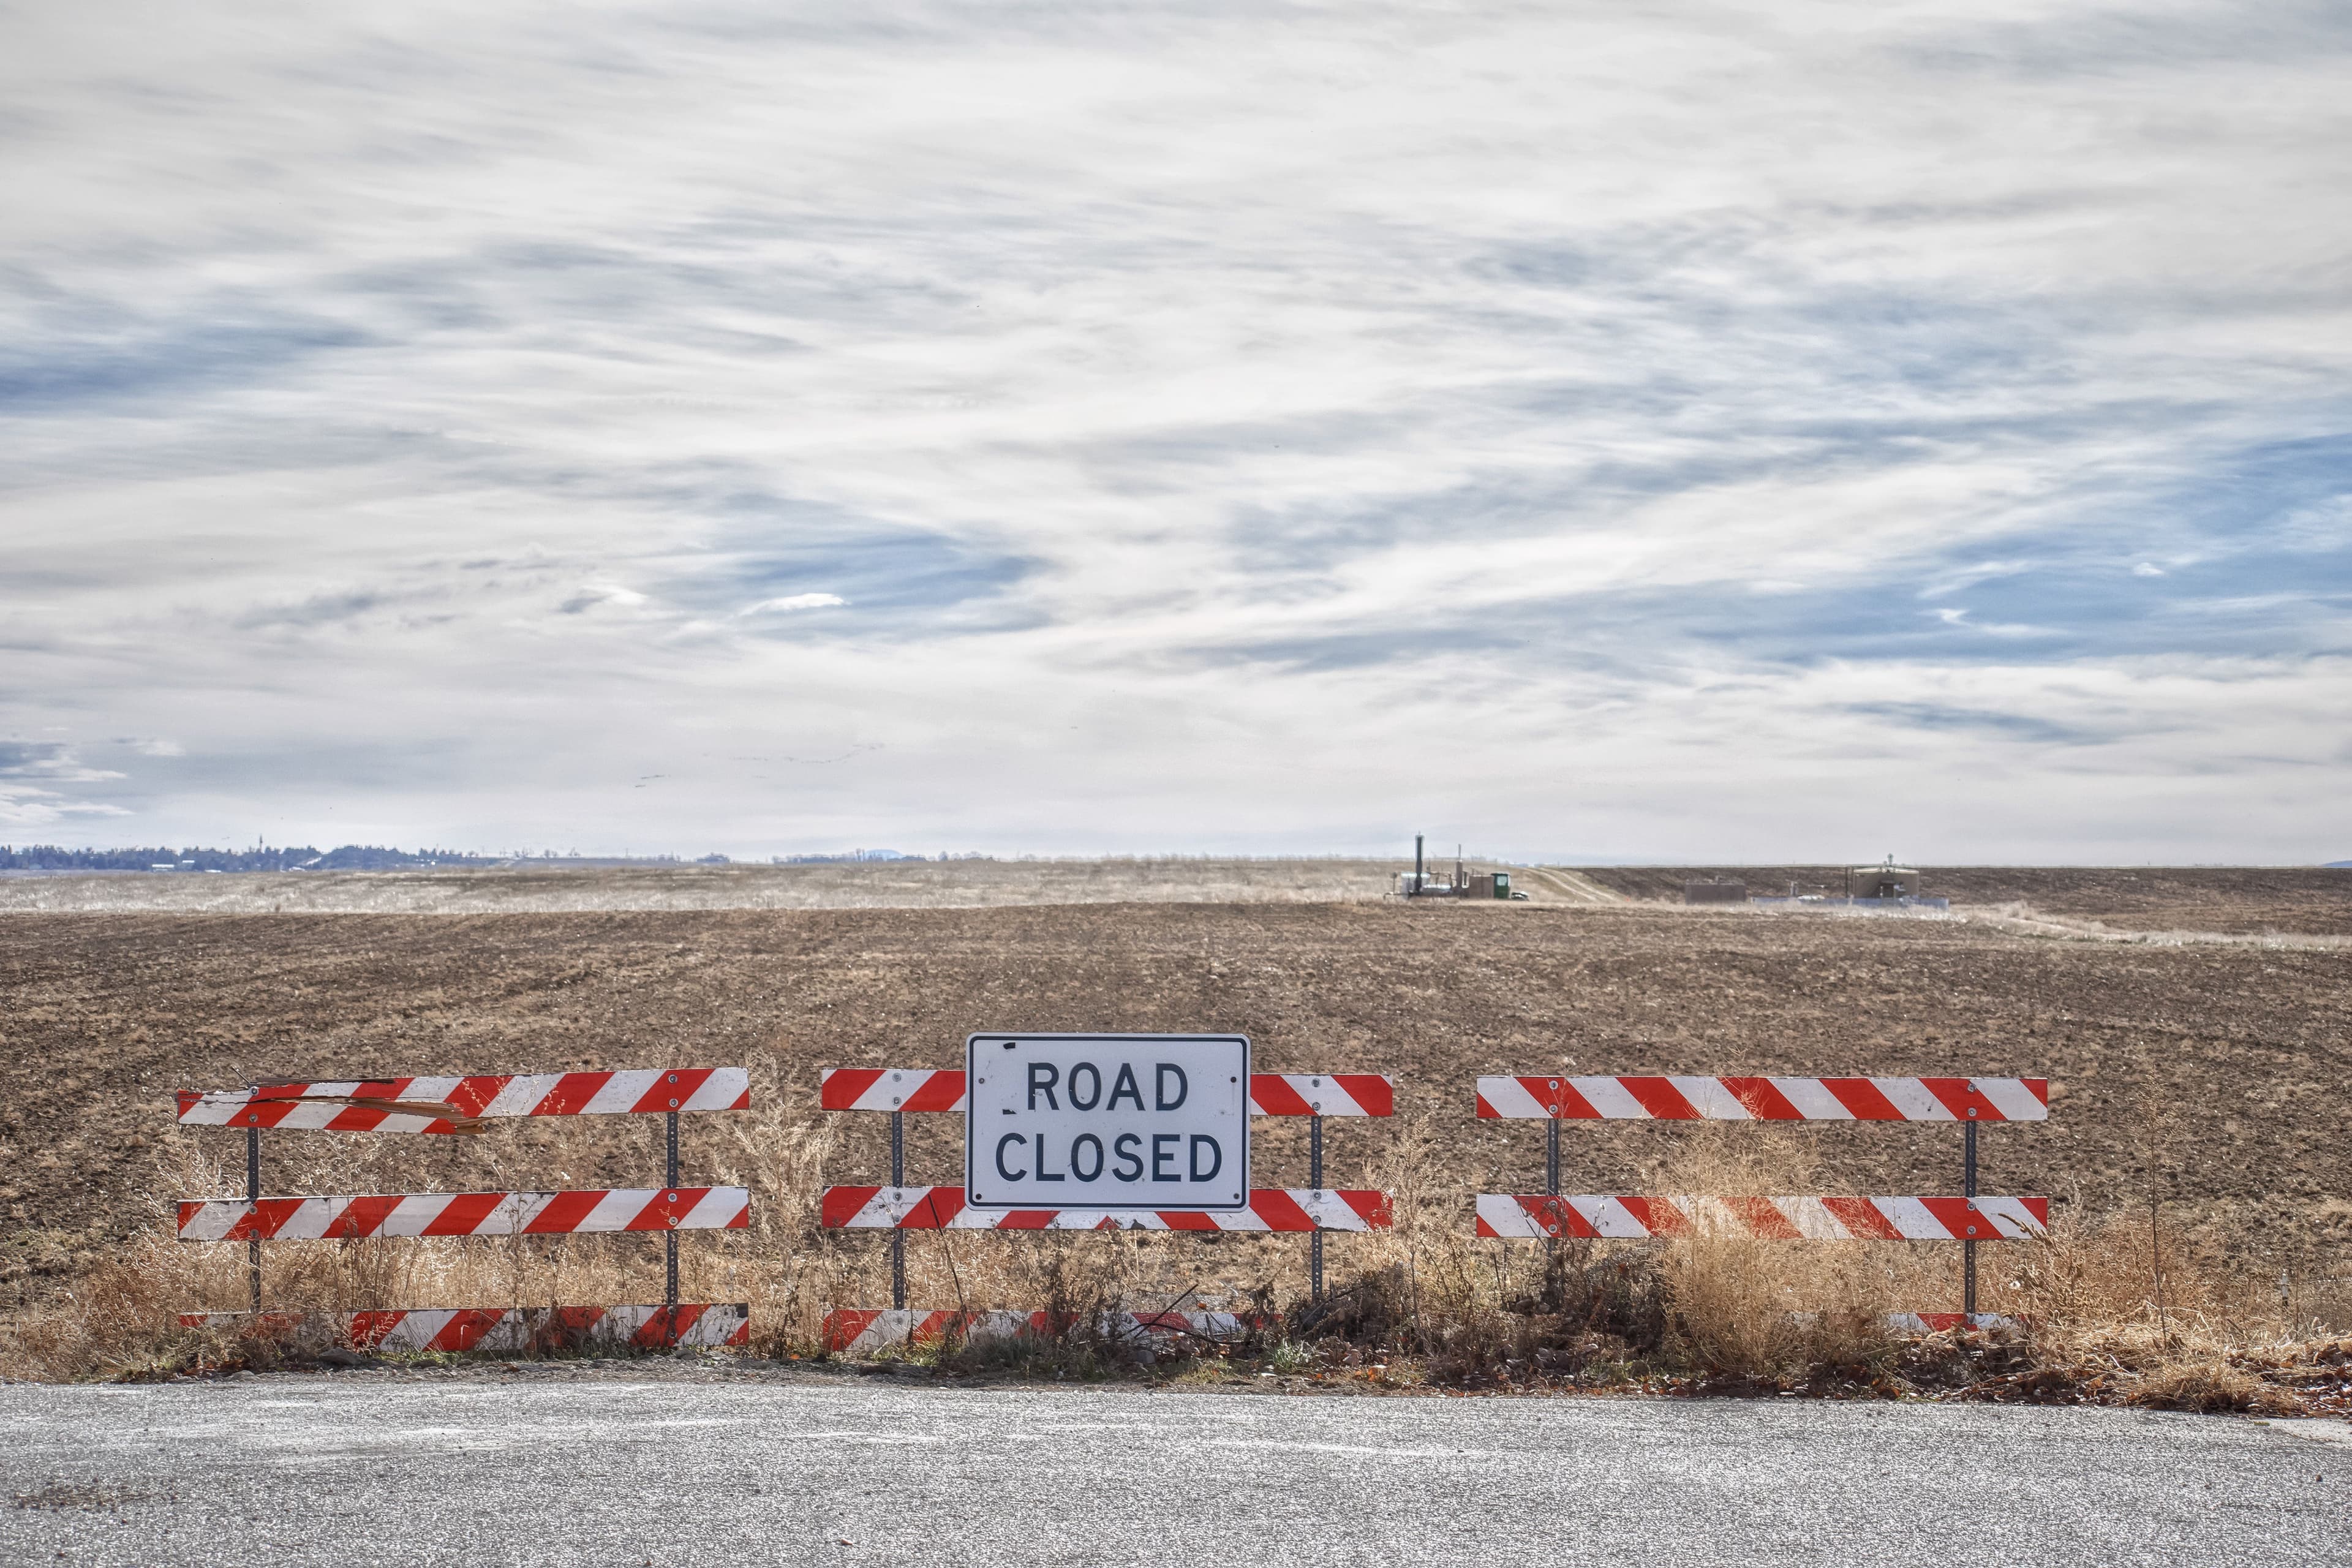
(1968, 1247)
(253, 1196)
(1315, 1181)
(897, 1237)
(669, 1237)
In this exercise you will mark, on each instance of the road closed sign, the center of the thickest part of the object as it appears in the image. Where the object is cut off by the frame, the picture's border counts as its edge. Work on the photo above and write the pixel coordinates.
(1108, 1122)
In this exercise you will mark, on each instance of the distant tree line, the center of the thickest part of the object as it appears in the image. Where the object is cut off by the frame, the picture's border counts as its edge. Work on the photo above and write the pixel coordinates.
(854, 856)
(290, 858)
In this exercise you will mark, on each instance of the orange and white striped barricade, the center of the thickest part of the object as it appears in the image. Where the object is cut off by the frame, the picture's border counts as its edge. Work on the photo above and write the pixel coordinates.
(462, 1105)
(1627, 1218)
(1968, 1101)
(898, 1208)
(668, 1210)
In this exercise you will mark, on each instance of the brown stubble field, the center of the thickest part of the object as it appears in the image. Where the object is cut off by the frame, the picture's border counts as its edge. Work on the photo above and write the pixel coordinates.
(2218, 1068)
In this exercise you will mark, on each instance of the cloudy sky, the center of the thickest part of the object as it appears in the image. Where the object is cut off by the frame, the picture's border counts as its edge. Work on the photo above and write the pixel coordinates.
(1664, 431)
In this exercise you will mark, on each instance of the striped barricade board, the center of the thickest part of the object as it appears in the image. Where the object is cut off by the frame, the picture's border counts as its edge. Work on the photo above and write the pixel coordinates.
(1271, 1093)
(860, 1330)
(465, 1213)
(943, 1208)
(1685, 1098)
(447, 1105)
(1540, 1217)
(1322, 1094)
(517, 1331)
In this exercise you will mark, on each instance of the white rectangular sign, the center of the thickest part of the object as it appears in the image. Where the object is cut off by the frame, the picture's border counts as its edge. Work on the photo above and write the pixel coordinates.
(1110, 1121)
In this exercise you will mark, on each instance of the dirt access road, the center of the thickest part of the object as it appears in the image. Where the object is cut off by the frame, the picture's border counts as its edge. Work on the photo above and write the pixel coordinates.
(2313, 900)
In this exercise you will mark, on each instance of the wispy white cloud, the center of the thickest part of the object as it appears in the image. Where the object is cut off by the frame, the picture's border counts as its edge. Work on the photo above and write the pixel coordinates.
(22, 806)
(1970, 577)
(1196, 413)
(591, 594)
(1959, 617)
(795, 601)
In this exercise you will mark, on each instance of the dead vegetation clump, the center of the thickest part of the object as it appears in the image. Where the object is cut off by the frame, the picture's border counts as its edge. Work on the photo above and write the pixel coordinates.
(1762, 1311)
(2124, 1307)
(1717, 1310)
(2111, 1308)
(2207, 1385)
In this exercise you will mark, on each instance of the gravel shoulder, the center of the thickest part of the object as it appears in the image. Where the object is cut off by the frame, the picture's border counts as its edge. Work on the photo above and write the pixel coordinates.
(818, 1470)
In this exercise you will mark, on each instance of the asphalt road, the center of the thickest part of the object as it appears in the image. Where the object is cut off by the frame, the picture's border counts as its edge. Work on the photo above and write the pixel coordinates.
(318, 1470)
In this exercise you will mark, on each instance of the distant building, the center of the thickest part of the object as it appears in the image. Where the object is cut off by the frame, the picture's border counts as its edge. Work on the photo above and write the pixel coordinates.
(1885, 881)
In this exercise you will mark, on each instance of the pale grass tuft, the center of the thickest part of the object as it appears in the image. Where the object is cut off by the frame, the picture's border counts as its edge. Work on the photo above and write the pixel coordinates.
(1769, 1310)
(2208, 1386)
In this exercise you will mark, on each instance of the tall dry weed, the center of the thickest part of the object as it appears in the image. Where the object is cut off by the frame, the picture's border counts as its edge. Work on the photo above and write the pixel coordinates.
(1744, 1307)
(1428, 1289)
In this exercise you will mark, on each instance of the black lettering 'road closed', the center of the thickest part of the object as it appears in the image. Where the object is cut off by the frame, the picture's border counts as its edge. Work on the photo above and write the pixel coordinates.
(1106, 1122)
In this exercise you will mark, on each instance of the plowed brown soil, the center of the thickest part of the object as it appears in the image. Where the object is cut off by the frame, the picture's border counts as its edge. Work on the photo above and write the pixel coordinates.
(2220, 1069)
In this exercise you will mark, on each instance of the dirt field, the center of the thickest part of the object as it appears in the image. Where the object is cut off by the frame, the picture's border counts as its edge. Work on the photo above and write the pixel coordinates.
(2222, 1067)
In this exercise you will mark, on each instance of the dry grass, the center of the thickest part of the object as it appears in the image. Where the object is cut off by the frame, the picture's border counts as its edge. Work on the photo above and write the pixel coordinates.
(2113, 1308)
(2024, 920)
(1768, 1310)
(119, 1316)
(2124, 1307)
(2118, 1311)
(2207, 1385)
